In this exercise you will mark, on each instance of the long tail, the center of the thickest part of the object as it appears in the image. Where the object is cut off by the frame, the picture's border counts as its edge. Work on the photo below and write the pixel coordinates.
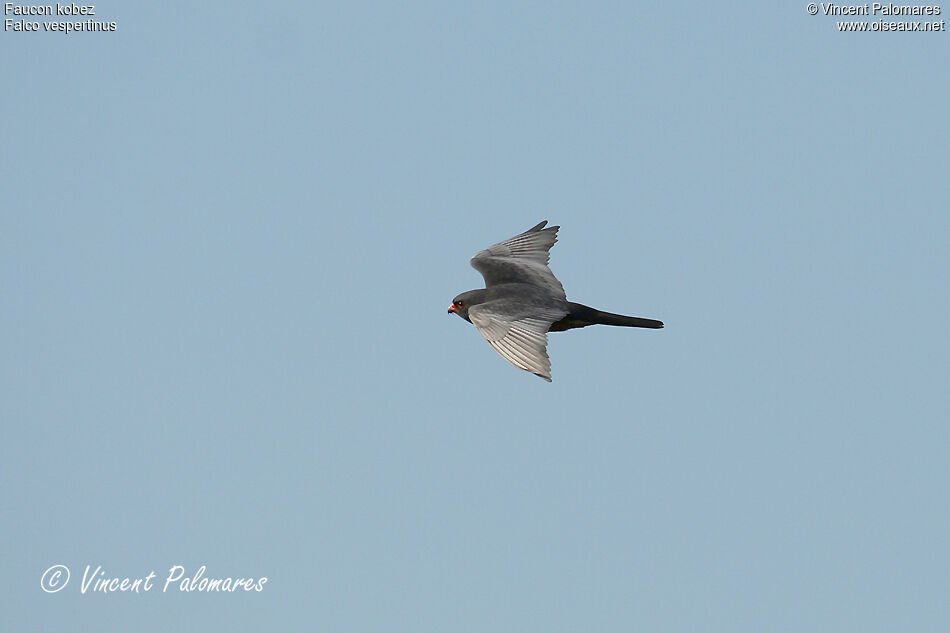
(582, 316)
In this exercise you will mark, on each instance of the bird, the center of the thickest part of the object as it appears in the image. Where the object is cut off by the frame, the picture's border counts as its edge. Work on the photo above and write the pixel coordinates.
(522, 301)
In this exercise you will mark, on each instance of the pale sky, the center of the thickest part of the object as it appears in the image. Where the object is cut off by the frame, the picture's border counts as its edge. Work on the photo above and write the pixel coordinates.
(229, 237)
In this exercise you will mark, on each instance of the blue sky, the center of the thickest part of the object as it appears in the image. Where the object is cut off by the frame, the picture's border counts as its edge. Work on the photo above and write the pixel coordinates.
(229, 236)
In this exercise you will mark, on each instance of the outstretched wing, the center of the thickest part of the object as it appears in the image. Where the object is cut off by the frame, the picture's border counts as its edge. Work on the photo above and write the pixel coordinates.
(521, 259)
(521, 341)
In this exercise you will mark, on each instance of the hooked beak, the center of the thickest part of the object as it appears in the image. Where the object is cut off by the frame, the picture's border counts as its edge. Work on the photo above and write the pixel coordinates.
(452, 309)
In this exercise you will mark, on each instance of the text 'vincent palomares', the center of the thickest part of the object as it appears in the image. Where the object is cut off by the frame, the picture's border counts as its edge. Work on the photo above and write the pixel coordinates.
(878, 8)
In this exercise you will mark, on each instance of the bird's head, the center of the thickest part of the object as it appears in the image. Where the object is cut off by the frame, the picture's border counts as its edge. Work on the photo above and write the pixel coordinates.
(462, 303)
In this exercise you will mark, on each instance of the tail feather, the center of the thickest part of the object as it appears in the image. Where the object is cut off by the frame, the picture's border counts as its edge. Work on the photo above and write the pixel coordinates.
(582, 316)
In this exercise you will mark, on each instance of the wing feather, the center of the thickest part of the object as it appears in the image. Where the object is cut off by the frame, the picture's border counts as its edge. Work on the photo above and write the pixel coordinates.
(521, 259)
(522, 341)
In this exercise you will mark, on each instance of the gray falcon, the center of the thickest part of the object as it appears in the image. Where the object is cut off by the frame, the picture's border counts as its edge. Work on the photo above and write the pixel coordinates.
(522, 301)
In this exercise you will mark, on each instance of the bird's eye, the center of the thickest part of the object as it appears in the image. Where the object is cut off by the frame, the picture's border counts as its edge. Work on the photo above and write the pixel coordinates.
(460, 303)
